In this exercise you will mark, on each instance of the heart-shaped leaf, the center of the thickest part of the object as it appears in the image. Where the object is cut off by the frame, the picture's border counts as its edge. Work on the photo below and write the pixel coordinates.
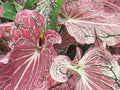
(97, 70)
(28, 67)
(87, 19)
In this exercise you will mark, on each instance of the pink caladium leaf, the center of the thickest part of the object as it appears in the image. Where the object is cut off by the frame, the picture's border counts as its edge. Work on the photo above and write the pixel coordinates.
(87, 19)
(5, 52)
(44, 8)
(67, 40)
(97, 70)
(32, 56)
(58, 69)
(68, 85)
(116, 3)
(117, 58)
(5, 29)
(4, 59)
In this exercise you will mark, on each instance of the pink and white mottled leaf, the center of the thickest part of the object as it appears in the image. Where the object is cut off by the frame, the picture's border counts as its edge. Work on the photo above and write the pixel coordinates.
(115, 3)
(68, 85)
(58, 68)
(28, 67)
(5, 59)
(52, 37)
(44, 8)
(30, 24)
(97, 69)
(85, 20)
(78, 55)
(21, 18)
(5, 29)
(117, 58)
(67, 40)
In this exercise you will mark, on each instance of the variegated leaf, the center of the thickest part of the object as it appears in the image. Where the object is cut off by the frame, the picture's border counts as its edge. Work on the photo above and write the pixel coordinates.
(28, 67)
(67, 40)
(5, 29)
(86, 20)
(97, 69)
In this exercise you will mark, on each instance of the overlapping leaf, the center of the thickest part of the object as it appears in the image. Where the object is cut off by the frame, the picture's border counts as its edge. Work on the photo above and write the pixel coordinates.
(115, 2)
(50, 9)
(67, 40)
(97, 70)
(68, 85)
(44, 8)
(117, 58)
(5, 29)
(30, 61)
(4, 47)
(87, 19)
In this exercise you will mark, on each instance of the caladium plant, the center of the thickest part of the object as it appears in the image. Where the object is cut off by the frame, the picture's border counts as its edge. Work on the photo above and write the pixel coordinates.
(32, 54)
(82, 52)
(97, 70)
(85, 20)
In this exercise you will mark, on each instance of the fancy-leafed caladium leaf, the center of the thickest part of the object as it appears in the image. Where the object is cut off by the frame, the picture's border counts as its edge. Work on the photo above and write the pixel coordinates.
(50, 9)
(115, 2)
(68, 85)
(58, 69)
(32, 56)
(5, 29)
(117, 58)
(4, 47)
(87, 19)
(67, 40)
(44, 8)
(97, 70)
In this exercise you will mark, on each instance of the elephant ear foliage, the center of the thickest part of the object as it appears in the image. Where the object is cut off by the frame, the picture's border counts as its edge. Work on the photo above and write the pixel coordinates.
(30, 61)
(96, 70)
(84, 19)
